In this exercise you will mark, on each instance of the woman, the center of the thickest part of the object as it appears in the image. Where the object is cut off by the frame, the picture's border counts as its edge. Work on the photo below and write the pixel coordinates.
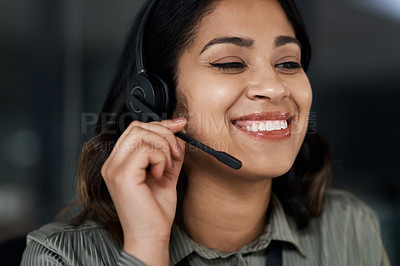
(237, 73)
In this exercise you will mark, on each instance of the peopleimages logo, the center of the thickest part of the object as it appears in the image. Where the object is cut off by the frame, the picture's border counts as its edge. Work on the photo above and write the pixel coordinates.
(110, 123)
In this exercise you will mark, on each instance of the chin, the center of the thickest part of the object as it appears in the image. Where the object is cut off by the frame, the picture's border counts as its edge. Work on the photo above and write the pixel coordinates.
(263, 170)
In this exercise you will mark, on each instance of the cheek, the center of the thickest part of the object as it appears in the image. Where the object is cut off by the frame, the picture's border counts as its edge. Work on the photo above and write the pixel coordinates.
(208, 99)
(303, 95)
(302, 98)
(208, 112)
(307, 99)
(214, 92)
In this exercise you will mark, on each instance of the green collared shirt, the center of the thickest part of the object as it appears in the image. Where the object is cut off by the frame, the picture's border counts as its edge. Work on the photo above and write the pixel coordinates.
(347, 233)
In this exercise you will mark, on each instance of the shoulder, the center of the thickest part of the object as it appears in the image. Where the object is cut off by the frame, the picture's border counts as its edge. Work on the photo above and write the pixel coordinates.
(346, 233)
(345, 216)
(64, 226)
(61, 241)
(64, 232)
(340, 205)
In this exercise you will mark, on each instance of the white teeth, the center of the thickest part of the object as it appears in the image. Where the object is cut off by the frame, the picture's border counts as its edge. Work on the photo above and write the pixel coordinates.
(270, 125)
(266, 125)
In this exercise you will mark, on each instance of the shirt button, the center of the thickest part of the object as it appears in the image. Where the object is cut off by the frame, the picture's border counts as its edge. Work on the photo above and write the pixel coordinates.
(234, 261)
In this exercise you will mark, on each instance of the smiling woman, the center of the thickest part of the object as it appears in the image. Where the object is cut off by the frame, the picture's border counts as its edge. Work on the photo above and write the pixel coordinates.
(252, 65)
(230, 74)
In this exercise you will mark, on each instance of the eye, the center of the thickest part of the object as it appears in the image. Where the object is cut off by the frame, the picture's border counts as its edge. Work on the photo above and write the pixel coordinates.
(290, 67)
(230, 64)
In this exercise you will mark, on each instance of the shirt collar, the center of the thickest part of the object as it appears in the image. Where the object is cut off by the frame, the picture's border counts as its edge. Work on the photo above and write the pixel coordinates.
(280, 227)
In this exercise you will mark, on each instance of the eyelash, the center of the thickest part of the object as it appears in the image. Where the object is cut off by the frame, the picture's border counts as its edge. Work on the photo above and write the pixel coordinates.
(229, 65)
(289, 66)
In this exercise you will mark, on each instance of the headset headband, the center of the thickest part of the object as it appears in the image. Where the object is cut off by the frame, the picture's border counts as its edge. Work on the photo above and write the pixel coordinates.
(140, 61)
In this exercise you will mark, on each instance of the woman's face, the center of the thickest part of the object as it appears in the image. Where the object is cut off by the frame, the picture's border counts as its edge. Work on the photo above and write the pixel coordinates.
(245, 90)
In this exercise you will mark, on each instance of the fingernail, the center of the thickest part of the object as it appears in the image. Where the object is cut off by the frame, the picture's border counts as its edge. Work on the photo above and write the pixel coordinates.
(178, 119)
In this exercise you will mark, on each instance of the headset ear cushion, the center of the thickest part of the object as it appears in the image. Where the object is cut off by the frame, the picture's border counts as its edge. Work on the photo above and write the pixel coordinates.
(150, 90)
(164, 90)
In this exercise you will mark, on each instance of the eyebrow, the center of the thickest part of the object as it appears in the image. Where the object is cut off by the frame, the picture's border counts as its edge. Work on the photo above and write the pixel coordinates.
(248, 43)
(283, 40)
(239, 41)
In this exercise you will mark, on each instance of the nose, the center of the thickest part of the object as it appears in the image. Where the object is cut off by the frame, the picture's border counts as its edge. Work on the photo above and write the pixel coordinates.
(267, 85)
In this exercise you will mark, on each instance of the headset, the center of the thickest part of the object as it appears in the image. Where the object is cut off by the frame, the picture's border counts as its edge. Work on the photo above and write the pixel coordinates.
(148, 96)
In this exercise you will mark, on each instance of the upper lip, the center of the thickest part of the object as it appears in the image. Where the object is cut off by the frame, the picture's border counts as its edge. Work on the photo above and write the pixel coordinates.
(271, 115)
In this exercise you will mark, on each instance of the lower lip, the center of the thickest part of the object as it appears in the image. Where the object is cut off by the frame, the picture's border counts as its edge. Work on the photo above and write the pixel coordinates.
(274, 135)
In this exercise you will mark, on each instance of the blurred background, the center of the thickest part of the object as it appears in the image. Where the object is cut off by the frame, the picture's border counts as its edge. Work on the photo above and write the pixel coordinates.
(57, 59)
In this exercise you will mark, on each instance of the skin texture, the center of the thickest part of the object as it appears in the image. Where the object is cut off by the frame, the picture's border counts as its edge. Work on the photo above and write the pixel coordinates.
(215, 97)
(221, 82)
(220, 200)
(145, 201)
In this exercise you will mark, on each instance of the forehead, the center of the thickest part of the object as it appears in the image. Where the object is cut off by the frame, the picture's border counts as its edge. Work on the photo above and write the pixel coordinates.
(247, 18)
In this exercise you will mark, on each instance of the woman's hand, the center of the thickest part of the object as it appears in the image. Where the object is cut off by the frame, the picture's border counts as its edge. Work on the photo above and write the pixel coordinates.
(141, 174)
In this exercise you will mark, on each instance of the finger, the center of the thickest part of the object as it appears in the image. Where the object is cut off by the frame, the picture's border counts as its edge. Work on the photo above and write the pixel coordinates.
(175, 125)
(177, 145)
(140, 140)
(166, 128)
(132, 167)
(149, 155)
(128, 130)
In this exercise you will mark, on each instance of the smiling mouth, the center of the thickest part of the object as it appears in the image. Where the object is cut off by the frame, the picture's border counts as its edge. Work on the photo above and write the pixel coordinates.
(257, 126)
(268, 126)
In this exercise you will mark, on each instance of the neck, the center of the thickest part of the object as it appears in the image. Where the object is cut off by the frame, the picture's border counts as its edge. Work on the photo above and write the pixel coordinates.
(225, 214)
